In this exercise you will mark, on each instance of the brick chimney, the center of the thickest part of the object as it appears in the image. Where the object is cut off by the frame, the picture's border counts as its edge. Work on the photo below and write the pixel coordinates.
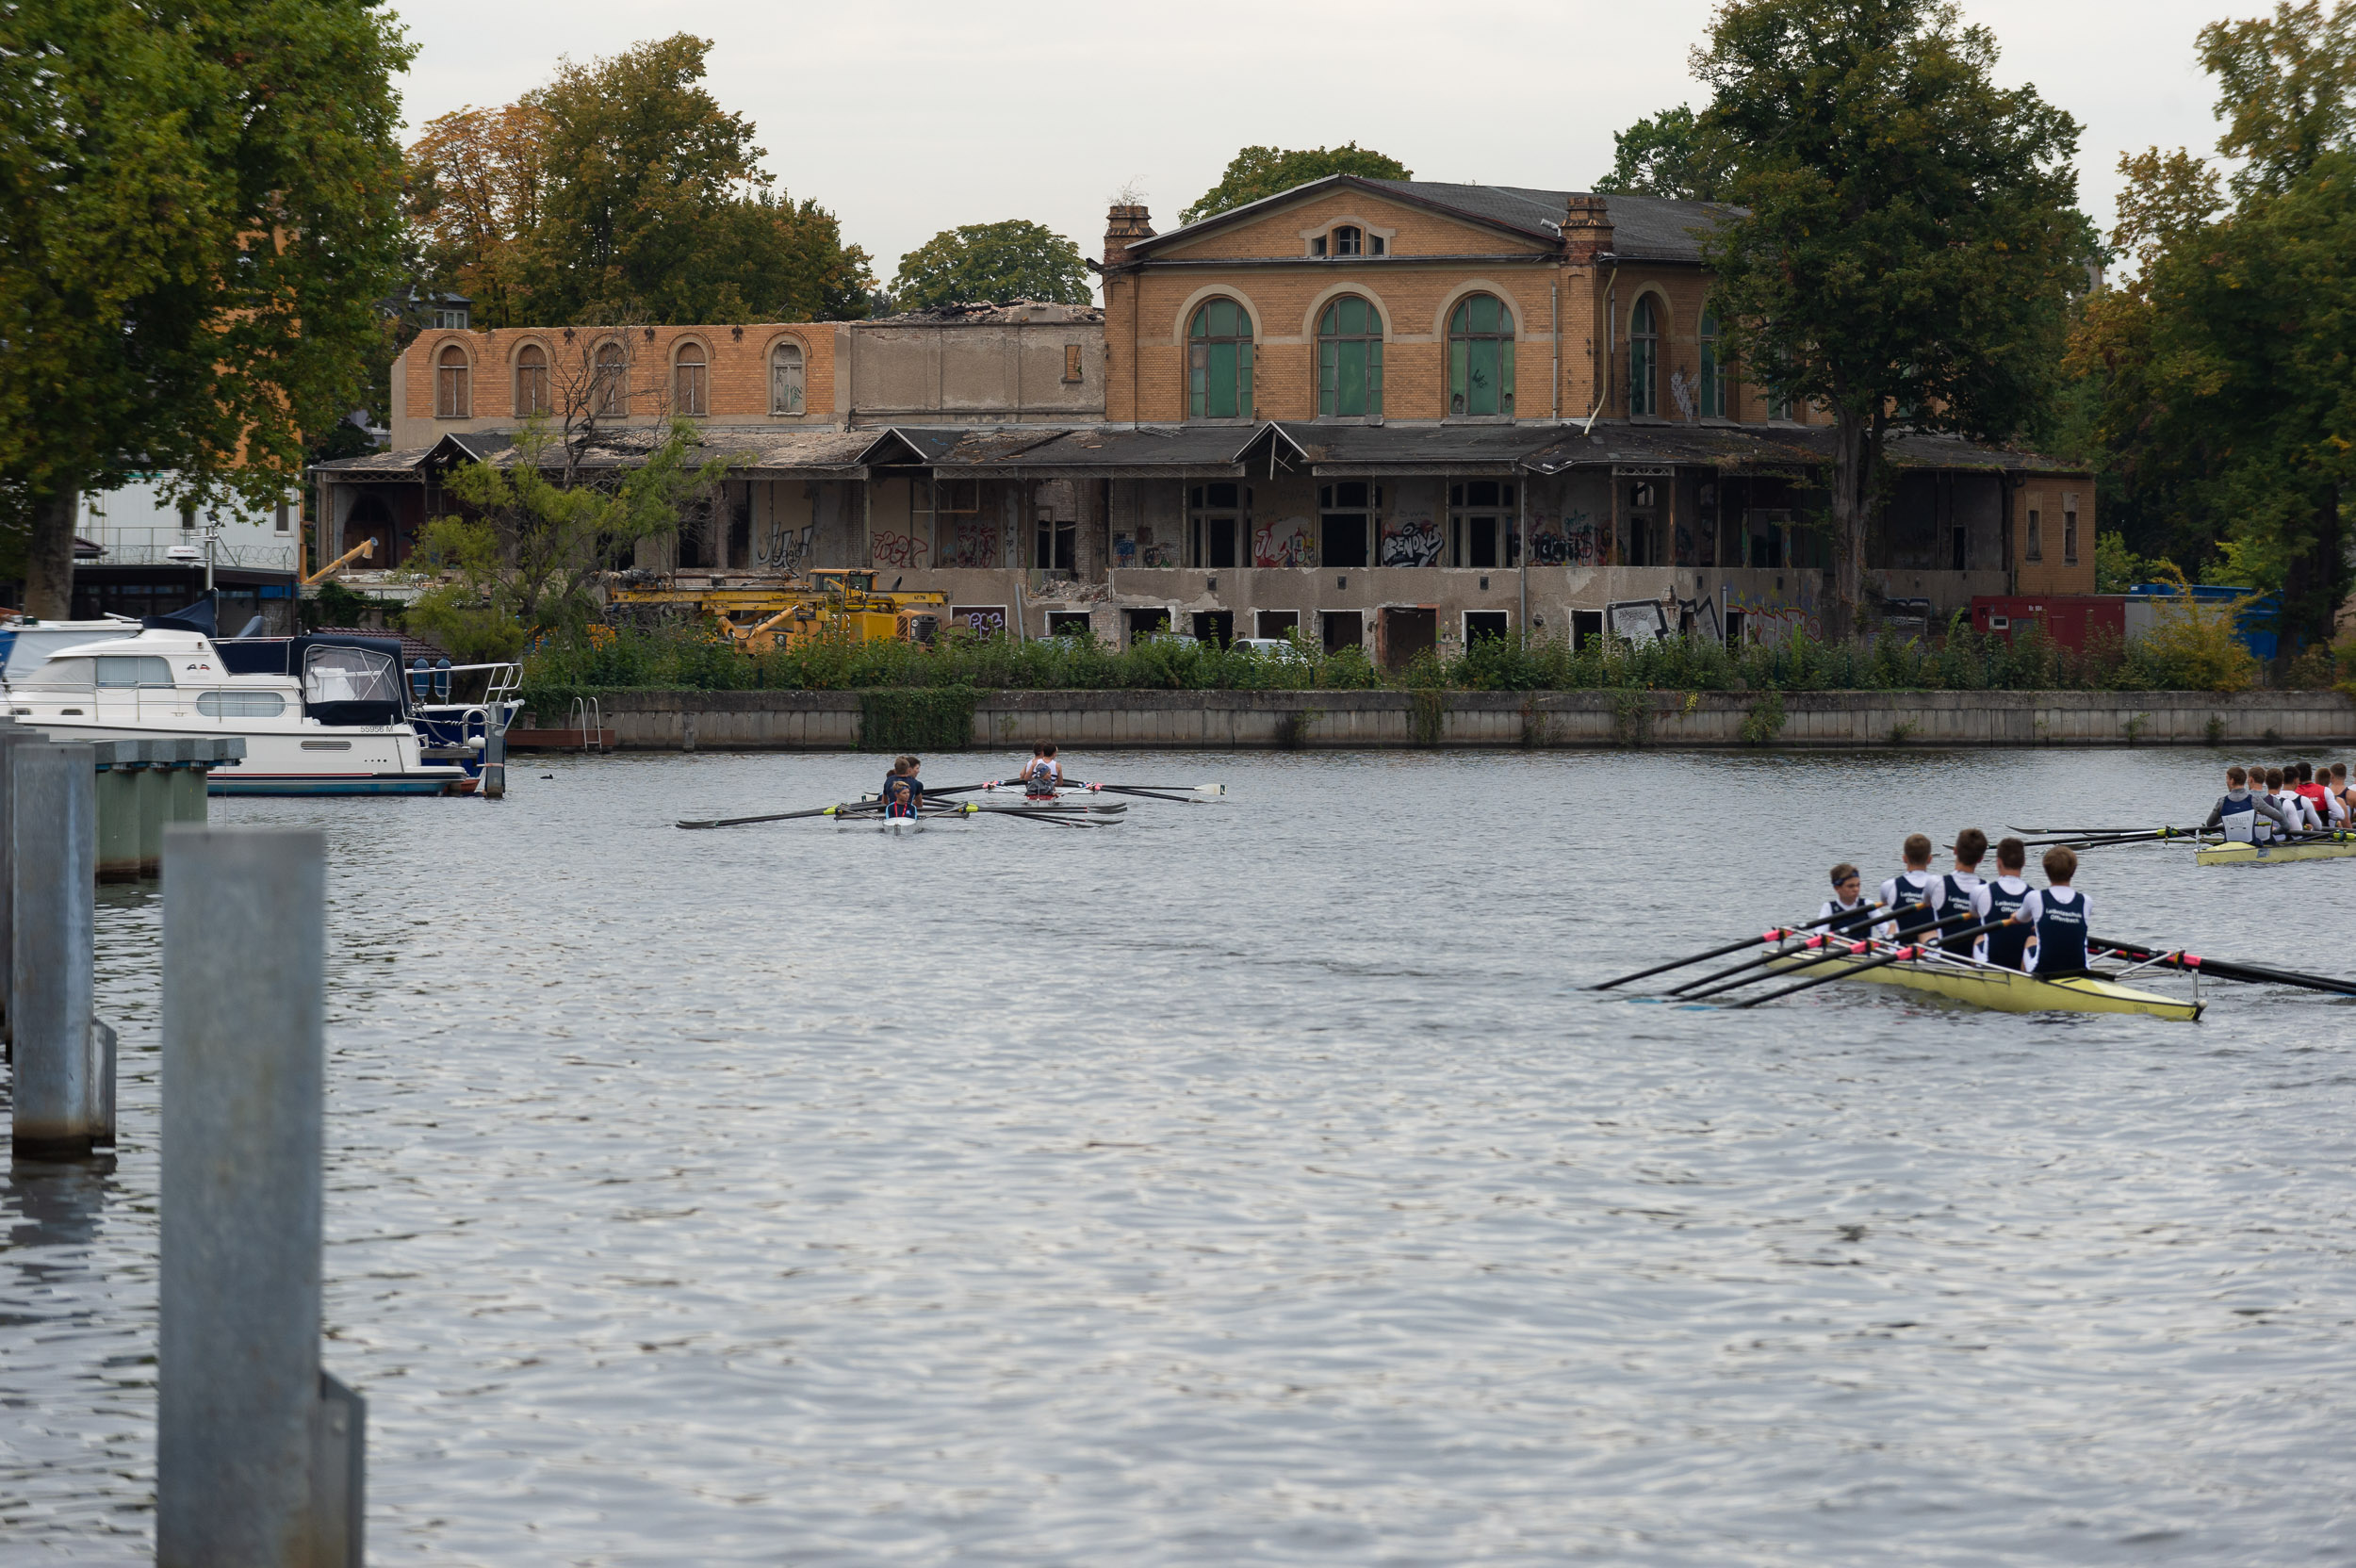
(1586, 227)
(1121, 225)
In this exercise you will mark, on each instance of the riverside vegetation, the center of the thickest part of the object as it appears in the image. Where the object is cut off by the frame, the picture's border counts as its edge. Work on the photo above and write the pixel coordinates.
(2192, 652)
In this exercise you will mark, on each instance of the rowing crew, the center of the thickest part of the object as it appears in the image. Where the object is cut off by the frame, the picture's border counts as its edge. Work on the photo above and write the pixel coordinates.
(903, 792)
(2037, 930)
(2264, 805)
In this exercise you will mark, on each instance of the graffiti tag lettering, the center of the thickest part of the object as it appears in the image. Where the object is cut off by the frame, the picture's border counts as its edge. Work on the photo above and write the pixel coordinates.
(1412, 542)
(897, 549)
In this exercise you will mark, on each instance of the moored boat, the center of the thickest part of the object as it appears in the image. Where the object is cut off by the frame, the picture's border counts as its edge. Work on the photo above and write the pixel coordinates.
(321, 715)
(2003, 990)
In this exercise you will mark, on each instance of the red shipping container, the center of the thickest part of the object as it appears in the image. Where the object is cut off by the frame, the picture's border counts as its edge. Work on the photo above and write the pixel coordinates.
(2069, 619)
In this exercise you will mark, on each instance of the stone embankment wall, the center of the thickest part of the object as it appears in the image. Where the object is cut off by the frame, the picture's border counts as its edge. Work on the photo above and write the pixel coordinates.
(829, 721)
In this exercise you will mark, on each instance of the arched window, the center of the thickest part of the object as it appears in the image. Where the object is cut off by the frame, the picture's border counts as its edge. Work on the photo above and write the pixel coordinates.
(1480, 357)
(453, 398)
(532, 380)
(1644, 358)
(1349, 359)
(1714, 404)
(1346, 241)
(688, 382)
(1218, 362)
(785, 378)
(609, 389)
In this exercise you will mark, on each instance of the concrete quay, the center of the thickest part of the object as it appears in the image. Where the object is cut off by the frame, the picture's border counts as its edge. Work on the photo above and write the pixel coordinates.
(1145, 720)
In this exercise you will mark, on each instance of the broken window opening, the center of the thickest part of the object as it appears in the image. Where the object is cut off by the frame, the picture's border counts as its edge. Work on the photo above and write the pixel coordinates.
(785, 378)
(689, 381)
(1218, 362)
(1071, 366)
(1316, 246)
(1480, 358)
(1216, 627)
(1349, 359)
(453, 396)
(1344, 628)
(1345, 517)
(1486, 623)
(2036, 535)
(1480, 528)
(1644, 358)
(1069, 623)
(1214, 524)
(2069, 536)
(532, 380)
(1278, 623)
(1055, 543)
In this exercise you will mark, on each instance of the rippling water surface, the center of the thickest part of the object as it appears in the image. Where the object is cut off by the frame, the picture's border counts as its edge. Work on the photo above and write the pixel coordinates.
(1254, 1182)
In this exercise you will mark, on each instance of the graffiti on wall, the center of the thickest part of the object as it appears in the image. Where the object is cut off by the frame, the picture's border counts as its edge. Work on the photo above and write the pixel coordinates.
(1410, 542)
(887, 548)
(1142, 549)
(969, 544)
(789, 548)
(1571, 540)
(1771, 618)
(1283, 544)
(984, 620)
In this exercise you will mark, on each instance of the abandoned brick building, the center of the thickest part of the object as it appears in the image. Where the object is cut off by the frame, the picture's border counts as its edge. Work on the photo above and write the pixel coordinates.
(1392, 413)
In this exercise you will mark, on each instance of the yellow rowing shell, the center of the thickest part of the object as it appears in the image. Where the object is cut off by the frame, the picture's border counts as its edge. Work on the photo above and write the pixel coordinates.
(2006, 990)
(2339, 847)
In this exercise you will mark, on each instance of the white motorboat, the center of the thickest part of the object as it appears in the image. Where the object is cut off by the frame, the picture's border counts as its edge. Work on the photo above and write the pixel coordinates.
(321, 714)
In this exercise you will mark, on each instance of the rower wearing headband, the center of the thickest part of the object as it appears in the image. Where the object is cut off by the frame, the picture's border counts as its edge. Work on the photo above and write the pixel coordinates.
(1847, 913)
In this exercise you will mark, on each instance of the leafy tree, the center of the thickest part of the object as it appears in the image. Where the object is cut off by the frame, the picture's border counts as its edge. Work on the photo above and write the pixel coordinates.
(1666, 155)
(2227, 403)
(1909, 244)
(1013, 260)
(1258, 171)
(477, 181)
(623, 190)
(538, 531)
(199, 208)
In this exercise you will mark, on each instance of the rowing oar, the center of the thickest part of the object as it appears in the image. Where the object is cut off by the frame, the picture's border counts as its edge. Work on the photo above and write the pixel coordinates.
(1828, 942)
(1774, 935)
(1815, 941)
(2223, 970)
(789, 816)
(1910, 950)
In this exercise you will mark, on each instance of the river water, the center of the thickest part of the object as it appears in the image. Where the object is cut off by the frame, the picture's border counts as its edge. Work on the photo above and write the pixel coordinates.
(1255, 1182)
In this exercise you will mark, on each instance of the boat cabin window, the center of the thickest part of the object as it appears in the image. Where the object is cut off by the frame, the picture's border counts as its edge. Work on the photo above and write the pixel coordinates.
(350, 675)
(241, 705)
(71, 675)
(133, 670)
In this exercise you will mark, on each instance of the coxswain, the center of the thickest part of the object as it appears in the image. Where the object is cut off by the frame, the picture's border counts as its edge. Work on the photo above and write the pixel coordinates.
(2056, 914)
(1847, 913)
(2243, 814)
(1042, 773)
(2000, 900)
(1953, 894)
(1910, 894)
(900, 789)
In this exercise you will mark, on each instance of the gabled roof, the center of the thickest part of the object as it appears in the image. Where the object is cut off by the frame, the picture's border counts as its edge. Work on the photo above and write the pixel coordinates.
(1645, 228)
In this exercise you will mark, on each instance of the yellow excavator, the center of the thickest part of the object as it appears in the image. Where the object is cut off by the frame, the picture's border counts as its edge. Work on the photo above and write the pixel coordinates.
(828, 605)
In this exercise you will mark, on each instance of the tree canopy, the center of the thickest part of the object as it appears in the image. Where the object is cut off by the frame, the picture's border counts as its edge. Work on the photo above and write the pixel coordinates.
(1665, 154)
(1910, 242)
(199, 210)
(2225, 401)
(997, 262)
(623, 190)
(1257, 172)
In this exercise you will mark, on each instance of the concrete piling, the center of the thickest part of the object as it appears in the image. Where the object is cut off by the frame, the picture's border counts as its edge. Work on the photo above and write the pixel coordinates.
(257, 1454)
(63, 1062)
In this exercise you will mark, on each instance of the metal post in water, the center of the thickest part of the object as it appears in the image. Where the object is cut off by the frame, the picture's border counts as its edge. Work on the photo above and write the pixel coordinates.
(494, 753)
(61, 1100)
(257, 1453)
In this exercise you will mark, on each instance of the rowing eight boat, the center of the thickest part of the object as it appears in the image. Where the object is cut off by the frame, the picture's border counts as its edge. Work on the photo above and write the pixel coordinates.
(2003, 989)
(2340, 846)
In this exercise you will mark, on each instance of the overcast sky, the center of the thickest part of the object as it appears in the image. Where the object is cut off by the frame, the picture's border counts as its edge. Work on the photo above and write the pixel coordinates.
(911, 116)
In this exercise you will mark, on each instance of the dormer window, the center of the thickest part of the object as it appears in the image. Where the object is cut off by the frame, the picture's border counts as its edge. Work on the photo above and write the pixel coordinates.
(1348, 239)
